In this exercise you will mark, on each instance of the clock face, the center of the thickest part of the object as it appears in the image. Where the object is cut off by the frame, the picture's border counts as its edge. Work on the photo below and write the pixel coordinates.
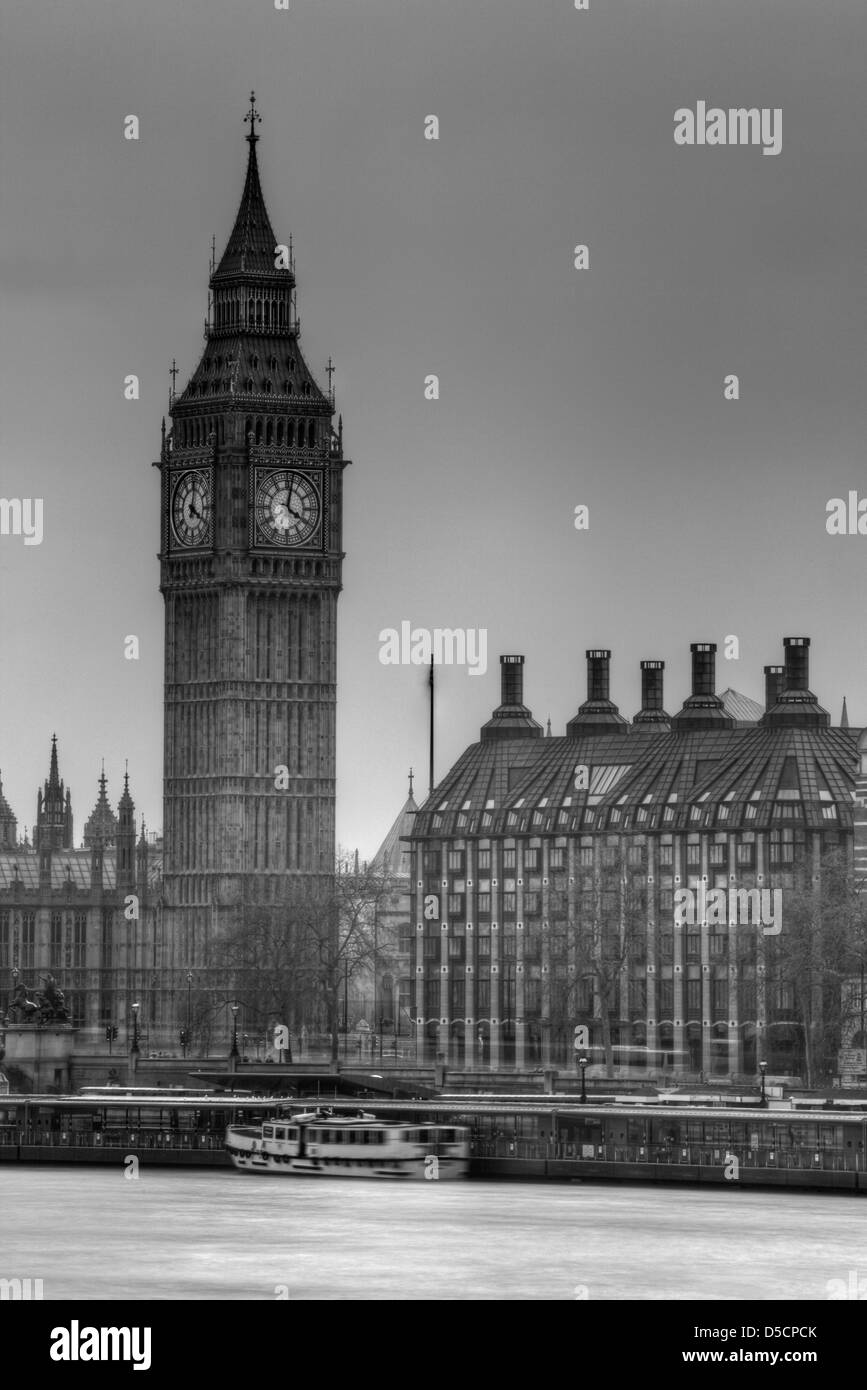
(191, 508)
(287, 508)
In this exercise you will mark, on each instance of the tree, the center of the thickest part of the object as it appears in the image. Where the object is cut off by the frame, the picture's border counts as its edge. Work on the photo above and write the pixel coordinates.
(289, 961)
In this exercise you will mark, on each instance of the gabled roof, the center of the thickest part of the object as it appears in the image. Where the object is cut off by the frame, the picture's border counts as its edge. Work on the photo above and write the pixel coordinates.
(741, 707)
(392, 855)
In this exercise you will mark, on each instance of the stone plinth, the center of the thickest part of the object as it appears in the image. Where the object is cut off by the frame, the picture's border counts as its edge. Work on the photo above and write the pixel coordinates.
(42, 1053)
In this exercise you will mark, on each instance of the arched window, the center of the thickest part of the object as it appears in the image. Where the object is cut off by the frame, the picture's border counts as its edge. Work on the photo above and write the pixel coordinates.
(279, 431)
(290, 432)
(248, 426)
(269, 432)
(258, 431)
(300, 434)
(254, 361)
(268, 386)
(311, 432)
(248, 385)
(287, 388)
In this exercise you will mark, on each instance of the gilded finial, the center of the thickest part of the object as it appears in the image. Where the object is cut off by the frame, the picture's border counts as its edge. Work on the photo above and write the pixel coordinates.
(254, 119)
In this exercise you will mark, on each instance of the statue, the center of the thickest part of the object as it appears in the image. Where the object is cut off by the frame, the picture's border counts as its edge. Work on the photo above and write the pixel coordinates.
(53, 1004)
(21, 1005)
(49, 1006)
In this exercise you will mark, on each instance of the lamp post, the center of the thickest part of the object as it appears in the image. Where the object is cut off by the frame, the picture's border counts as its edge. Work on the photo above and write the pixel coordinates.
(763, 1067)
(189, 1006)
(234, 1006)
(134, 1048)
(582, 1062)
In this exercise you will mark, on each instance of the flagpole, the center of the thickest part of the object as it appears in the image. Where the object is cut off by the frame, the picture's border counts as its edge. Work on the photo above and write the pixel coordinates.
(431, 683)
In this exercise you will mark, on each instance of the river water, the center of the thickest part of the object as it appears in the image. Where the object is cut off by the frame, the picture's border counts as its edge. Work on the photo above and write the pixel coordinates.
(173, 1234)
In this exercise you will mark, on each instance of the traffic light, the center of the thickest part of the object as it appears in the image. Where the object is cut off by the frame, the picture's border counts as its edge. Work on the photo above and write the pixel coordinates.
(110, 1032)
(183, 1037)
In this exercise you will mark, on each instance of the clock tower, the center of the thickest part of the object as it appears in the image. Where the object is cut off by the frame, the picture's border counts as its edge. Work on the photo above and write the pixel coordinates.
(250, 569)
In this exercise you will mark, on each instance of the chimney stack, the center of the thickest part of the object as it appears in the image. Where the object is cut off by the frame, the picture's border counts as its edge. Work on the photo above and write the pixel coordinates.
(796, 705)
(704, 709)
(511, 719)
(773, 685)
(598, 715)
(652, 713)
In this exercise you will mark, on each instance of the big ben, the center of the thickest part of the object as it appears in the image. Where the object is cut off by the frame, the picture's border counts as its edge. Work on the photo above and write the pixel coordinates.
(250, 569)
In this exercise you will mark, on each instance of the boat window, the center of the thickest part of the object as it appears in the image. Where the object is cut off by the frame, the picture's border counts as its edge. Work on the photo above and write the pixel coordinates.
(268, 1131)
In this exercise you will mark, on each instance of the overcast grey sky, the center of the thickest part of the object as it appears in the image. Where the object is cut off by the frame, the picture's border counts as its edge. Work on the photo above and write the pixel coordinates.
(558, 387)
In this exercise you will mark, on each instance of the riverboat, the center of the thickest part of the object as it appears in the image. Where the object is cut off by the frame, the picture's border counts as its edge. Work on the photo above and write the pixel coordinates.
(320, 1143)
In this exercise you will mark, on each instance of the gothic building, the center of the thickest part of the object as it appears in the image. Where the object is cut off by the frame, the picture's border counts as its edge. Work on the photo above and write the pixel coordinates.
(250, 569)
(521, 843)
(83, 915)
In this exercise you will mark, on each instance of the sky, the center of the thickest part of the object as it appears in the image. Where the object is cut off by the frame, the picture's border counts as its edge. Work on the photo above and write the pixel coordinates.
(558, 387)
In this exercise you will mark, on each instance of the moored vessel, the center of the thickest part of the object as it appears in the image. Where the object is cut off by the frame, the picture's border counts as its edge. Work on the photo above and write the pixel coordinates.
(320, 1143)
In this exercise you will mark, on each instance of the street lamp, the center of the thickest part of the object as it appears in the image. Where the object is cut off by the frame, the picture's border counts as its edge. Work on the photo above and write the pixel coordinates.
(582, 1062)
(189, 1007)
(763, 1067)
(134, 1048)
(234, 1007)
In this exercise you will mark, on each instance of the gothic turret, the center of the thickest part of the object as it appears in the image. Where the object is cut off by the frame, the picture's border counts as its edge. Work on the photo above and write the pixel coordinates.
(8, 823)
(101, 824)
(125, 838)
(53, 829)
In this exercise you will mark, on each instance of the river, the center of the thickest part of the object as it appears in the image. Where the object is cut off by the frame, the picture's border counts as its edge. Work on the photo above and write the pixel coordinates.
(92, 1233)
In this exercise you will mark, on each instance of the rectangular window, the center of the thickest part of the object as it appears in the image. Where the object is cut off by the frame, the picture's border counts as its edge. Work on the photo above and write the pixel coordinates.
(509, 947)
(557, 859)
(532, 904)
(509, 859)
(666, 945)
(431, 998)
(666, 854)
(693, 851)
(484, 904)
(665, 1000)
(55, 942)
(28, 940)
(693, 946)
(107, 934)
(431, 862)
(509, 904)
(456, 904)
(79, 941)
(456, 948)
(484, 946)
(531, 860)
(717, 855)
(718, 944)
(431, 948)
(745, 854)
(693, 999)
(719, 995)
(635, 855)
(456, 860)
(5, 958)
(483, 996)
(484, 859)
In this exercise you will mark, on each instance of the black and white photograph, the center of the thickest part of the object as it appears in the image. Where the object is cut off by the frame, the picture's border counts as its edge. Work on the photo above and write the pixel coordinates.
(433, 756)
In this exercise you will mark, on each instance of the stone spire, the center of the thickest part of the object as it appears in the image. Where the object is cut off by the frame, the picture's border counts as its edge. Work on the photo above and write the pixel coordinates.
(251, 244)
(53, 829)
(101, 826)
(844, 717)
